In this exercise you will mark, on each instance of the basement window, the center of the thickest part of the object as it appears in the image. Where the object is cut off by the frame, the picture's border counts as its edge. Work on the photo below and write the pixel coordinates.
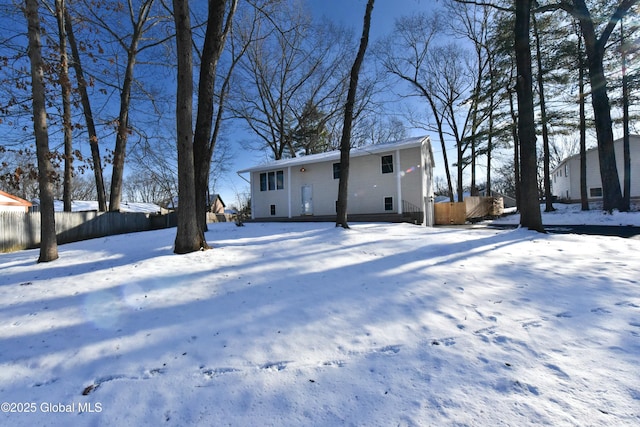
(388, 203)
(595, 192)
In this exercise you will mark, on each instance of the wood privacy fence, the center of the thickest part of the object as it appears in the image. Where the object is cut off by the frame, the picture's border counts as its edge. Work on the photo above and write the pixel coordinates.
(22, 230)
(472, 208)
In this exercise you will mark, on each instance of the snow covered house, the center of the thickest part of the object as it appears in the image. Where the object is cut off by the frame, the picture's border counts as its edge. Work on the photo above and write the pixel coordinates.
(565, 178)
(11, 203)
(385, 180)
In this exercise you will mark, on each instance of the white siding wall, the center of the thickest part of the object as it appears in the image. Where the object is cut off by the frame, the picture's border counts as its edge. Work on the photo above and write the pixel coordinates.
(262, 200)
(568, 187)
(368, 186)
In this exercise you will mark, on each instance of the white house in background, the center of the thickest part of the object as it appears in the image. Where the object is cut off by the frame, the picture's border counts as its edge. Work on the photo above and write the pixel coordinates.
(565, 179)
(10, 203)
(390, 178)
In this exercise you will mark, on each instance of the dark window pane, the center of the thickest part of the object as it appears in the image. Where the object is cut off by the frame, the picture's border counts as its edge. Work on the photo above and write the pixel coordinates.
(388, 203)
(263, 182)
(595, 192)
(336, 171)
(280, 180)
(272, 180)
(387, 164)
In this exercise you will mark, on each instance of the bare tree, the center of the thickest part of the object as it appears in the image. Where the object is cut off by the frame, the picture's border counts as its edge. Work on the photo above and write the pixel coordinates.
(65, 85)
(206, 130)
(189, 237)
(48, 242)
(140, 22)
(595, 46)
(406, 54)
(544, 119)
(88, 114)
(345, 141)
(291, 63)
(530, 216)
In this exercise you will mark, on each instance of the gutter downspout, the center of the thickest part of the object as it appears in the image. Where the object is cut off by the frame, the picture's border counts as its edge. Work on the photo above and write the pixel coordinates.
(251, 188)
(399, 182)
(289, 192)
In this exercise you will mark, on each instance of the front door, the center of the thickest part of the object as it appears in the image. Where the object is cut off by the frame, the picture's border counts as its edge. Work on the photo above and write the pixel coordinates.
(307, 200)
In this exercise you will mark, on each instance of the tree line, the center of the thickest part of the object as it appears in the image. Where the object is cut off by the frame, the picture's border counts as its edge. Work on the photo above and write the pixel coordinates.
(485, 77)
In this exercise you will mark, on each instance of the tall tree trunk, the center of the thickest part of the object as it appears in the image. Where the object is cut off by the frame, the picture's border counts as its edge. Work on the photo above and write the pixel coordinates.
(584, 197)
(122, 133)
(65, 84)
(443, 143)
(545, 128)
(490, 136)
(188, 235)
(345, 141)
(626, 199)
(516, 150)
(594, 47)
(48, 242)
(203, 142)
(530, 216)
(88, 115)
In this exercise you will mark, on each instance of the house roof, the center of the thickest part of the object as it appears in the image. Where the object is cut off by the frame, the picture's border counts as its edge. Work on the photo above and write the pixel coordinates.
(173, 203)
(335, 155)
(7, 199)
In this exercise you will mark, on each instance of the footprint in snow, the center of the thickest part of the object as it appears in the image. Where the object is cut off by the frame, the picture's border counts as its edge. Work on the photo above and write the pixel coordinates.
(532, 324)
(444, 341)
(627, 304)
(216, 372)
(275, 366)
(600, 310)
(564, 314)
(338, 363)
(390, 349)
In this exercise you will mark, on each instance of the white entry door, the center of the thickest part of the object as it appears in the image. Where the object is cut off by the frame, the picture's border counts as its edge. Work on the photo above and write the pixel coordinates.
(307, 200)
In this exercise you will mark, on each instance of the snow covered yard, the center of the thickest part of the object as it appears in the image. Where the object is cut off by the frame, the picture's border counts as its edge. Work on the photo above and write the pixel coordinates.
(307, 324)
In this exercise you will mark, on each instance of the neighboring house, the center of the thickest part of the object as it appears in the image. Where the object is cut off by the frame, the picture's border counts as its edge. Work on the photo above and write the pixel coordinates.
(216, 205)
(11, 203)
(390, 178)
(565, 178)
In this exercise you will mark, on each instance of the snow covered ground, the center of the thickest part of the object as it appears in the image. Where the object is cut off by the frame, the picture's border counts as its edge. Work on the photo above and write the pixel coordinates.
(305, 324)
(571, 214)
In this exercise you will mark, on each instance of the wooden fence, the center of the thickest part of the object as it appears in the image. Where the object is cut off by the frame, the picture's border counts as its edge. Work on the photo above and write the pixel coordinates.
(471, 209)
(22, 231)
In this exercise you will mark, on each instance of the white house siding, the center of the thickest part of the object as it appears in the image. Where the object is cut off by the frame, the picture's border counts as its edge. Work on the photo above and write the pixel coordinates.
(10, 203)
(368, 186)
(565, 179)
(262, 200)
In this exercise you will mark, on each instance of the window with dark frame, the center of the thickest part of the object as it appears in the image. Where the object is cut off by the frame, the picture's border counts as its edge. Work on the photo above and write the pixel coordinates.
(595, 192)
(279, 180)
(388, 203)
(273, 209)
(270, 181)
(336, 171)
(263, 182)
(387, 164)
